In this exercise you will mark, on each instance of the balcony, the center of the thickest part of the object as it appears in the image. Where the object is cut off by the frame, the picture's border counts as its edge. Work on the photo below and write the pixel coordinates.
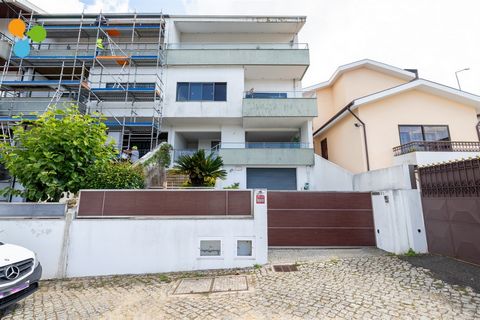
(5, 46)
(141, 52)
(266, 54)
(267, 153)
(428, 152)
(278, 104)
(10, 106)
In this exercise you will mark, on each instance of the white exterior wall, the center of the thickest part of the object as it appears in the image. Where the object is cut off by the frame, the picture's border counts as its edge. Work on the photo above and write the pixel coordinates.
(42, 236)
(288, 85)
(423, 158)
(232, 108)
(236, 37)
(233, 136)
(94, 247)
(392, 178)
(399, 224)
(327, 176)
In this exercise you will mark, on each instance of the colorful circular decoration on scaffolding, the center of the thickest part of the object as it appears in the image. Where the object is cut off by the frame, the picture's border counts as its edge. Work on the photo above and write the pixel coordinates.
(21, 48)
(17, 27)
(37, 34)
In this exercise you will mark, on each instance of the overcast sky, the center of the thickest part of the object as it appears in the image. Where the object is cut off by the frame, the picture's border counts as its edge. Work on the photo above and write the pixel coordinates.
(437, 37)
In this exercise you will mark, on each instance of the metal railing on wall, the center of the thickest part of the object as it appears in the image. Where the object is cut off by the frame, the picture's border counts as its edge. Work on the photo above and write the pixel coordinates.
(437, 146)
(452, 179)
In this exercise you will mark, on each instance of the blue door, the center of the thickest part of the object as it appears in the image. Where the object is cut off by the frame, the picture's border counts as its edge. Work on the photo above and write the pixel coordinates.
(272, 178)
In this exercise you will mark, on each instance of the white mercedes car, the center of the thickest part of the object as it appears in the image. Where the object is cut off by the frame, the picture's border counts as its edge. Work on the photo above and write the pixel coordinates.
(20, 272)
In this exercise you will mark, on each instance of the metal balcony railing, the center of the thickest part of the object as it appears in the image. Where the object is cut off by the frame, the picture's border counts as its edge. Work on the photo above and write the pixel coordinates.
(437, 146)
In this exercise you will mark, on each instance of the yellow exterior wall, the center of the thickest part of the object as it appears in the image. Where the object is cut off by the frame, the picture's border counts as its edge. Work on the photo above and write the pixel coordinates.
(349, 86)
(345, 144)
(412, 107)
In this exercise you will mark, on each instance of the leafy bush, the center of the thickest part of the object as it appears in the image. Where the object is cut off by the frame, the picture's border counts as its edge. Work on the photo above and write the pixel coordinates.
(117, 175)
(234, 186)
(162, 156)
(202, 170)
(55, 153)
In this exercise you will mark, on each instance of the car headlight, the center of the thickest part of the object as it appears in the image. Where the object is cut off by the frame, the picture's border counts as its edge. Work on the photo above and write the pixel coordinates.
(37, 262)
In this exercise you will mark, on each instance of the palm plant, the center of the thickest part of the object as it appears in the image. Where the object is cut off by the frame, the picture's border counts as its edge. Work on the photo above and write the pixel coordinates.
(202, 170)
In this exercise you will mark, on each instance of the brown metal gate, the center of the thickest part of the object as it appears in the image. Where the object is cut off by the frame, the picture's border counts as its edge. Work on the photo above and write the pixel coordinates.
(451, 208)
(307, 218)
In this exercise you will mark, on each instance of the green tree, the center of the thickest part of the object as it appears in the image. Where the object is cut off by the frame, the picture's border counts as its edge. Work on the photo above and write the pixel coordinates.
(202, 170)
(56, 153)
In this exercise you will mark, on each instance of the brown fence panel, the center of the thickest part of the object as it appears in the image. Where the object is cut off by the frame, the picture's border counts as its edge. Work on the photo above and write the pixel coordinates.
(320, 219)
(123, 203)
(451, 208)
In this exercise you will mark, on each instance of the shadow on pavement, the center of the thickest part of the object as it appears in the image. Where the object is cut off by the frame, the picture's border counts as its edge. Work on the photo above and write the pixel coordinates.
(448, 269)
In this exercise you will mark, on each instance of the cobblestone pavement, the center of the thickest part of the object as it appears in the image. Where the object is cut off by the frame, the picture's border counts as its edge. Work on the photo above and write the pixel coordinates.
(370, 287)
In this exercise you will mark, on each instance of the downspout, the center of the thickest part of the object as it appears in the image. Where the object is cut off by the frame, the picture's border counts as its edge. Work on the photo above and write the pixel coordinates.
(364, 134)
(478, 130)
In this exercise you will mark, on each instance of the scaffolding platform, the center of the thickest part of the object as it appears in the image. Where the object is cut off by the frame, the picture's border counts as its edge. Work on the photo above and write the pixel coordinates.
(70, 68)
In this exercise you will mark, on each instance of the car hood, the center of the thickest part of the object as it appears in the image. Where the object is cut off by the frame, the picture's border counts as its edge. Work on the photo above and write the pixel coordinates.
(10, 253)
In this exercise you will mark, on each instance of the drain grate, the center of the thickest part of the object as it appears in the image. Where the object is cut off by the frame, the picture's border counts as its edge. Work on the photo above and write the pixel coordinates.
(285, 268)
(208, 285)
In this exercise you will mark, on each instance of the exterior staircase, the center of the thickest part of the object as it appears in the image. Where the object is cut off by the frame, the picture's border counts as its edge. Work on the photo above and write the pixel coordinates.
(172, 181)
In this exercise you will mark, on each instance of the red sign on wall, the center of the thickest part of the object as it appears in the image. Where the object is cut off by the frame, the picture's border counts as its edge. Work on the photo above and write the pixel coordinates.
(260, 198)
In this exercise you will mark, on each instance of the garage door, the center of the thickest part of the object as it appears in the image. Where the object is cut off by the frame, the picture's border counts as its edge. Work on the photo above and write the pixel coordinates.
(272, 178)
(309, 218)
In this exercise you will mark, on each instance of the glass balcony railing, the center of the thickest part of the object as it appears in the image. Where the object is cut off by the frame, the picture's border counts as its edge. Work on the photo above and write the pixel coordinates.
(252, 94)
(237, 45)
(264, 145)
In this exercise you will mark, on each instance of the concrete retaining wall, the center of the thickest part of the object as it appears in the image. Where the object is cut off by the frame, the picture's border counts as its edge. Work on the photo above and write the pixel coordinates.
(392, 178)
(88, 247)
(32, 209)
(327, 176)
(399, 224)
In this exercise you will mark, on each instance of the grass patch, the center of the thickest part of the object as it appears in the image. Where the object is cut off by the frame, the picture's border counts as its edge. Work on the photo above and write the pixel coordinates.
(164, 278)
(411, 253)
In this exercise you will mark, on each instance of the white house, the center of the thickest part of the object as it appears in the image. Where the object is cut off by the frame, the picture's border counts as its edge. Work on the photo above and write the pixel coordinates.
(226, 84)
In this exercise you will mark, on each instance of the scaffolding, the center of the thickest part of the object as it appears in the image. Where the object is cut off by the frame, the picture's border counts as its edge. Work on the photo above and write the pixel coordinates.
(111, 64)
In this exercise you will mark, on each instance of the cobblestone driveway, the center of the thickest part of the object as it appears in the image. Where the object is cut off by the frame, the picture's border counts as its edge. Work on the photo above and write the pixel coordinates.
(371, 287)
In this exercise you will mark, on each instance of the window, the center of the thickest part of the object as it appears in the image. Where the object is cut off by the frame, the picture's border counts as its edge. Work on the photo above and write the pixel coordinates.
(210, 248)
(4, 173)
(410, 133)
(244, 248)
(324, 148)
(201, 91)
(182, 91)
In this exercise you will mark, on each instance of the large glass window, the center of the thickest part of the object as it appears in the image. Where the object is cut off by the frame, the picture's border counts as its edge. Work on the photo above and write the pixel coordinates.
(409, 133)
(220, 92)
(201, 91)
(195, 92)
(182, 91)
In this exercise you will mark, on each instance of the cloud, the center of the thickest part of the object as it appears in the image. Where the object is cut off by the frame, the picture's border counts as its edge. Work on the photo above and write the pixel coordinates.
(77, 6)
